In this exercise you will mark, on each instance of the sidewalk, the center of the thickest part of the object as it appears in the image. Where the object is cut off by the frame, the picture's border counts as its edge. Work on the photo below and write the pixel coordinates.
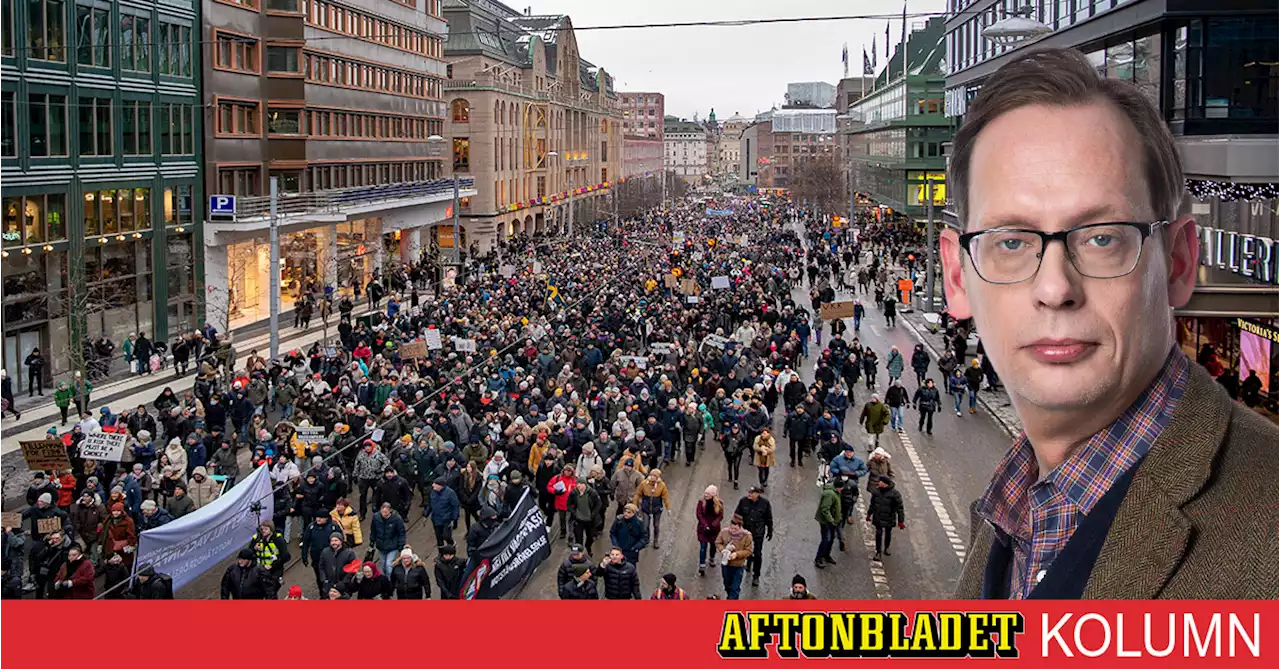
(995, 402)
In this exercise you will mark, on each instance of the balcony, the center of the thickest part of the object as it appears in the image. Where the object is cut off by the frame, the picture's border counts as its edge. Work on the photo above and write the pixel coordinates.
(341, 204)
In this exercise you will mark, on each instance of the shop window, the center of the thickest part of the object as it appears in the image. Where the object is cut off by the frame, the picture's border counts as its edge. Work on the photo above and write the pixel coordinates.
(34, 219)
(177, 206)
(180, 266)
(46, 30)
(48, 125)
(461, 110)
(462, 154)
(284, 59)
(6, 27)
(95, 127)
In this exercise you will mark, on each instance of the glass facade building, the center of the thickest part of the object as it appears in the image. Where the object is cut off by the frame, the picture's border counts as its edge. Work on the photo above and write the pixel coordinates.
(100, 165)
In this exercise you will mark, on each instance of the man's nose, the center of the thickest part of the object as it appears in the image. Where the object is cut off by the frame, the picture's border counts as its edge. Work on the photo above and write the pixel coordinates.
(1057, 284)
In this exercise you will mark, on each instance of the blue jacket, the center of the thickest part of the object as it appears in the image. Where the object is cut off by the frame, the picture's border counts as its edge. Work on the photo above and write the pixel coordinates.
(671, 420)
(629, 536)
(853, 466)
(132, 496)
(823, 428)
(442, 506)
(388, 533)
(837, 404)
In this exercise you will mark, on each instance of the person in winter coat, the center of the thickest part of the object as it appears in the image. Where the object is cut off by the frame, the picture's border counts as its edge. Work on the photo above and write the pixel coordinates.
(409, 578)
(559, 487)
(896, 399)
(201, 489)
(331, 563)
(883, 510)
(586, 461)
(652, 498)
(629, 534)
(973, 375)
(581, 584)
(734, 445)
(395, 490)
(388, 534)
(894, 364)
(181, 503)
(621, 581)
(585, 505)
(874, 417)
(870, 366)
(448, 572)
(958, 386)
(626, 479)
(153, 516)
(667, 589)
(577, 556)
(74, 578)
(245, 579)
(177, 456)
(443, 508)
(764, 448)
(88, 515)
(367, 582)
(346, 519)
(920, 363)
(878, 465)
(829, 517)
(927, 401)
(709, 512)
(735, 545)
(370, 465)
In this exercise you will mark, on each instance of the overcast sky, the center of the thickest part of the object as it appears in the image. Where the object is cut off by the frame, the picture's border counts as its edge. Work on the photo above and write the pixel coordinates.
(733, 69)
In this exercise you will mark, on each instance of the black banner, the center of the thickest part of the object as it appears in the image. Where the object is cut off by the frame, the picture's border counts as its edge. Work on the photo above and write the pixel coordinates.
(509, 555)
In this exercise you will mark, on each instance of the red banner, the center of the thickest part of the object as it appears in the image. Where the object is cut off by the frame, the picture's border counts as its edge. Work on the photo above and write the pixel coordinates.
(690, 633)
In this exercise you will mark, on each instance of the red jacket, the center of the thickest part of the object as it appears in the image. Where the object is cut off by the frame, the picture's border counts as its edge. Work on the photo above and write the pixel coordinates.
(562, 498)
(67, 493)
(81, 580)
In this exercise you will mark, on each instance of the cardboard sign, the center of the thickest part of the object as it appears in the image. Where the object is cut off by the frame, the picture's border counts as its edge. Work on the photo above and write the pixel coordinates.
(103, 446)
(537, 267)
(414, 349)
(10, 519)
(310, 435)
(47, 525)
(670, 281)
(45, 454)
(690, 287)
(836, 310)
(433, 342)
(720, 282)
(464, 345)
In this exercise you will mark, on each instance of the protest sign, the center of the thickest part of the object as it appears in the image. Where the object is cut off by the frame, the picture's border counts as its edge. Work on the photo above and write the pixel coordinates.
(432, 338)
(836, 310)
(693, 299)
(310, 435)
(464, 345)
(413, 349)
(45, 454)
(510, 554)
(507, 271)
(47, 525)
(641, 361)
(377, 435)
(715, 341)
(690, 287)
(662, 347)
(670, 281)
(103, 446)
(10, 519)
(720, 282)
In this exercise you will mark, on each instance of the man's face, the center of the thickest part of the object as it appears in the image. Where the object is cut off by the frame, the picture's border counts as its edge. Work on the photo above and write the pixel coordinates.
(1060, 340)
(334, 542)
(797, 589)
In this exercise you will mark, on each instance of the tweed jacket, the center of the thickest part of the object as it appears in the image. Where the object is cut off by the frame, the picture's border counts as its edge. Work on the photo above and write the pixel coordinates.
(1200, 518)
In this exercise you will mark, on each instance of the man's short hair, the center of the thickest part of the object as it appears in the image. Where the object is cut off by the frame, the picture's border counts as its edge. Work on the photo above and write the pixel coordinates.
(1066, 78)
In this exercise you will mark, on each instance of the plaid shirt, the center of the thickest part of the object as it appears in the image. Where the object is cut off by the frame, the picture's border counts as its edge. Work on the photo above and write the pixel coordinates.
(1039, 516)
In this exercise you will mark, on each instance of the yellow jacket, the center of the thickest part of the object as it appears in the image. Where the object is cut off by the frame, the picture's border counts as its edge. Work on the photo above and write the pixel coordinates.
(647, 488)
(536, 454)
(350, 524)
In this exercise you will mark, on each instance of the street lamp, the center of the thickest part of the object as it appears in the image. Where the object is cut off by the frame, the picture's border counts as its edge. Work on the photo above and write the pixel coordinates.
(436, 150)
(1016, 27)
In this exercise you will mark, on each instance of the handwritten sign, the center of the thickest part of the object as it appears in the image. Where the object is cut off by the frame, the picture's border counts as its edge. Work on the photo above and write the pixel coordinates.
(103, 446)
(464, 345)
(537, 267)
(720, 282)
(662, 347)
(432, 338)
(414, 349)
(836, 310)
(690, 287)
(670, 281)
(377, 435)
(10, 519)
(47, 525)
(45, 454)
(310, 435)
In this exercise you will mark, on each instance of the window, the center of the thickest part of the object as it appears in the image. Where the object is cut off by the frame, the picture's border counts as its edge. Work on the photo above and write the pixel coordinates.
(462, 154)
(174, 49)
(177, 130)
(47, 116)
(239, 118)
(95, 126)
(93, 35)
(34, 219)
(178, 206)
(288, 182)
(233, 52)
(247, 4)
(290, 6)
(9, 140)
(240, 181)
(136, 125)
(135, 43)
(6, 27)
(284, 121)
(461, 110)
(283, 59)
(46, 30)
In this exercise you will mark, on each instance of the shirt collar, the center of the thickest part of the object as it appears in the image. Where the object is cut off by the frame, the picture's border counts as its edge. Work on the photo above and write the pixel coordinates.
(1090, 470)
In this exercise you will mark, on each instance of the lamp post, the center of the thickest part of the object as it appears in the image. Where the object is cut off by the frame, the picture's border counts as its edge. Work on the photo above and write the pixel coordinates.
(1016, 27)
(436, 150)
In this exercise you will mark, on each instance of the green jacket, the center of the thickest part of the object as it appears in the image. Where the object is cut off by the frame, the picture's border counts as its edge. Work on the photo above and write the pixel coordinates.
(62, 396)
(875, 415)
(828, 506)
(381, 393)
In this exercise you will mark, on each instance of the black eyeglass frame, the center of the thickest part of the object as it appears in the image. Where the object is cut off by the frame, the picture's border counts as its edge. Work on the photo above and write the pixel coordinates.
(1144, 229)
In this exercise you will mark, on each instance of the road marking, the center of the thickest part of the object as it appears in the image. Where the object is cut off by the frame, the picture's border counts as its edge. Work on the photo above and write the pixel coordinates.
(935, 500)
(878, 576)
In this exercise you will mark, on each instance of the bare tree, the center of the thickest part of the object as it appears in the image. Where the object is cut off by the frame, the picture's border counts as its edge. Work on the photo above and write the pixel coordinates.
(819, 182)
(225, 301)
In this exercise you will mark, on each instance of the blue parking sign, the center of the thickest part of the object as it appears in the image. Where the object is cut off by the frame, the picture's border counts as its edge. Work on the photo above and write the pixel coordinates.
(222, 205)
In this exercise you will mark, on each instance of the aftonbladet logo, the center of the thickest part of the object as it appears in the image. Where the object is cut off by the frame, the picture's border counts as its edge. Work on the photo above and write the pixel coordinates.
(871, 634)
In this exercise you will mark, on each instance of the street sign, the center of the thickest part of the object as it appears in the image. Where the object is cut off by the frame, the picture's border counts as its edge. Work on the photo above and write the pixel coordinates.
(222, 207)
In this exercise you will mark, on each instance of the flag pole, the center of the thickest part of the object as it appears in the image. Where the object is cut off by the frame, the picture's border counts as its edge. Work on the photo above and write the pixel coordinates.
(904, 47)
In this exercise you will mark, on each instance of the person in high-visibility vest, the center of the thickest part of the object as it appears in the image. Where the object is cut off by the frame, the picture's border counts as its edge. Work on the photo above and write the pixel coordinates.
(271, 550)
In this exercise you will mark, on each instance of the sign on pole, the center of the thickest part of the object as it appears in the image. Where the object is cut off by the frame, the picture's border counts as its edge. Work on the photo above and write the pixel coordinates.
(413, 349)
(509, 555)
(45, 454)
(103, 446)
(690, 287)
(836, 310)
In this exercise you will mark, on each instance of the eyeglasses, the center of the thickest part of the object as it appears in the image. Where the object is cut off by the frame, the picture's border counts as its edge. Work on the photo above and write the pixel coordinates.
(1097, 250)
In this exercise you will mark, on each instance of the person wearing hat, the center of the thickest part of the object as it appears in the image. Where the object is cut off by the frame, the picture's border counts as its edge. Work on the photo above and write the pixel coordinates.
(448, 572)
(829, 518)
(295, 593)
(884, 510)
(443, 508)
(629, 533)
(315, 539)
(580, 584)
(271, 551)
(153, 516)
(409, 578)
(800, 589)
(245, 579)
(180, 504)
(566, 573)
(757, 518)
(667, 589)
(43, 509)
(330, 569)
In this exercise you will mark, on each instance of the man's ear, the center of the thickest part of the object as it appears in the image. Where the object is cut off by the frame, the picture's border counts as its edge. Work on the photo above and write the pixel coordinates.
(1182, 254)
(952, 257)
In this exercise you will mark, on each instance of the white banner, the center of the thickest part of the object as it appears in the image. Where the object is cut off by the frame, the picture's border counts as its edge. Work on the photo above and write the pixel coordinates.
(191, 545)
(103, 446)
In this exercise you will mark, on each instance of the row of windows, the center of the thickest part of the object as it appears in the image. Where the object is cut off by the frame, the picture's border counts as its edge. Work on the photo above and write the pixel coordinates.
(966, 46)
(336, 71)
(248, 180)
(96, 119)
(244, 118)
(46, 37)
(347, 21)
(242, 53)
